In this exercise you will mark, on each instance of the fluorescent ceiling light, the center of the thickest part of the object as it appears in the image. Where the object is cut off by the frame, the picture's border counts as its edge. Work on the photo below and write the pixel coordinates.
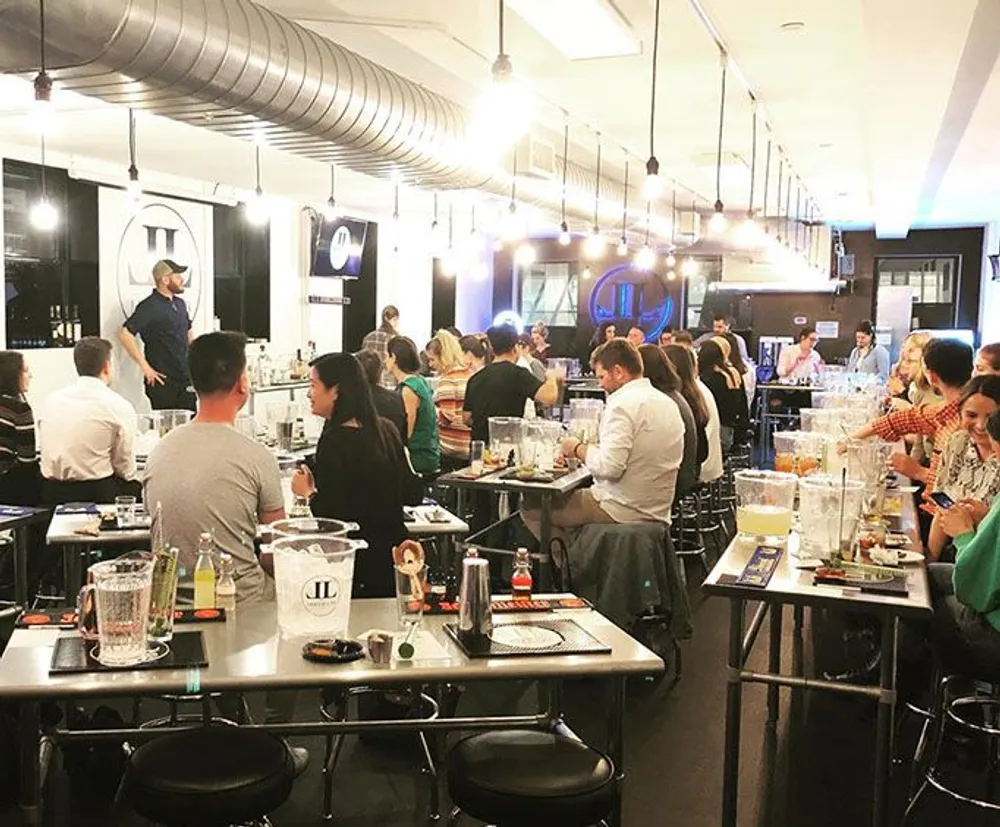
(580, 29)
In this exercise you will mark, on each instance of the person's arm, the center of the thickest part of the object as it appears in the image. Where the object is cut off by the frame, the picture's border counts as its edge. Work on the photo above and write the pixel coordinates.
(897, 424)
(936, 540)
(546, 392)
(270, 499)
(977, 565)
(122, 448)
(609, 459)
(411, 402)
(131, 345)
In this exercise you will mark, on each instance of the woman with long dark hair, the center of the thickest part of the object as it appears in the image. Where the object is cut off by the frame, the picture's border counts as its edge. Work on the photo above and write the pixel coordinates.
(662, 376)
(703, 407)
(727, 388)
(360, 472)
(20, 479)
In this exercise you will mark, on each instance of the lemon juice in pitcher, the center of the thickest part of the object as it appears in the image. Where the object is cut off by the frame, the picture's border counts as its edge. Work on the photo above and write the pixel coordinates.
(764, 503)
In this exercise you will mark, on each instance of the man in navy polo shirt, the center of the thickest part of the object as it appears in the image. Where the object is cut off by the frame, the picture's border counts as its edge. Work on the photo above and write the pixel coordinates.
(161, 319)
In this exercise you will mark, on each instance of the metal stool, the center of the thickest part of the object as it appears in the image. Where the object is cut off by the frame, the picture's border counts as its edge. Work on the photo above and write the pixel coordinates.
(947, 710)
(530, 778)
(334, 743)
(685, 529)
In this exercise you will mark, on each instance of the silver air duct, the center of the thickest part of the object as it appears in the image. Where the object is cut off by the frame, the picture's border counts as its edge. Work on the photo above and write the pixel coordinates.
(238, 68)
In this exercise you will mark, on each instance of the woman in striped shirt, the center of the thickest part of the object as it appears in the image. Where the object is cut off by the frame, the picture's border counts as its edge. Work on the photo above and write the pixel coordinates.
(19, 474)
(444, 353)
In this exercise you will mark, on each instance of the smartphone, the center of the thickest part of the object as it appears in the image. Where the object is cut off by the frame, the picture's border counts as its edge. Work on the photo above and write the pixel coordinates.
(942, 499)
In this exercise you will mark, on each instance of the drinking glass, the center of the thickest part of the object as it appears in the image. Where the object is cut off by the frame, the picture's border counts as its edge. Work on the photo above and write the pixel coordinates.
(822, 500)
(163, 595)
(764, 501)
(409, 598)
(476, 452)
(125, 510)
(121, 590)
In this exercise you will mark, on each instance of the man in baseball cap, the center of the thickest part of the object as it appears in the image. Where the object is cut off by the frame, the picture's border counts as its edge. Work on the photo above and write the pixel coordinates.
(161, 320)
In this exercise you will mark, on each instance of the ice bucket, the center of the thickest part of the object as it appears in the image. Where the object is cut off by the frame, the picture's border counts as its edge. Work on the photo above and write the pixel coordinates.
(313, 577)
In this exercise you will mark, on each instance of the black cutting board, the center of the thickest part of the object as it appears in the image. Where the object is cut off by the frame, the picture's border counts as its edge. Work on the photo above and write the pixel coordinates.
(71, 655)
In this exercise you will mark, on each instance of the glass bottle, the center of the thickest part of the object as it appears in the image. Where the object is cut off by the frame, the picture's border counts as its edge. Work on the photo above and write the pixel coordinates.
(225, 589)
(204, 573)
(520, 580)
(300, 508)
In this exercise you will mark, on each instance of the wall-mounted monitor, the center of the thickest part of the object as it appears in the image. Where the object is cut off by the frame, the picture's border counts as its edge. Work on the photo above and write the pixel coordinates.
(340, 244)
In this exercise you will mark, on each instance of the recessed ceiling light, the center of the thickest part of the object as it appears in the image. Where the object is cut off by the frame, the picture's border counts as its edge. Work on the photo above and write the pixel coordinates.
(826, 146)
(792, 26)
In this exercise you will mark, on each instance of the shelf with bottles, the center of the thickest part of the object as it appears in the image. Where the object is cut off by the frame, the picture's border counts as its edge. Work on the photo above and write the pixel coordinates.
(281, 372)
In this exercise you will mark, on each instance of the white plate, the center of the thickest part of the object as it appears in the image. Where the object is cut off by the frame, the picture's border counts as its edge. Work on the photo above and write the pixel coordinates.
(906, 557)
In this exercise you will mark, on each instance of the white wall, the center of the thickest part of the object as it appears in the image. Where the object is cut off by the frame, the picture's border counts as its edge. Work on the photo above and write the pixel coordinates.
(989, 295)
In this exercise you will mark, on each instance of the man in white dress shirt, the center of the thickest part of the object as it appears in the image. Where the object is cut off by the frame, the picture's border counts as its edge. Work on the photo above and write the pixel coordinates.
(635, 463)
(86, 431)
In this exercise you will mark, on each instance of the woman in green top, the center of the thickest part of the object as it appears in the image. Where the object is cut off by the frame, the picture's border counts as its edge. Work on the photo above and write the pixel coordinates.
(403, 362)
(966, 594)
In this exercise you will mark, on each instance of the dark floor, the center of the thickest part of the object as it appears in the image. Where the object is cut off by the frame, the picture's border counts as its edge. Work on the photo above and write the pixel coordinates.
(674, 758)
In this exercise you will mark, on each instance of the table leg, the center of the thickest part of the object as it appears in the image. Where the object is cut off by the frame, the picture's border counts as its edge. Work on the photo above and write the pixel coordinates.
(798, 653)
(30, 757)
(21, 567)
(883, 727)
(616, 743)
(545, 568)
(774, 668)
(74, 570)
(734, 700)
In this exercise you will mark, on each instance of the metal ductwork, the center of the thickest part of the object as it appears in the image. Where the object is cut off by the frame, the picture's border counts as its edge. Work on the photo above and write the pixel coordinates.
(238, 68)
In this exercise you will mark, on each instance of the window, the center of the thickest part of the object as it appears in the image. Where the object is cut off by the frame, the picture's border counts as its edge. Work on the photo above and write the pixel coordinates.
(51, 278)
(933, 281)
(549, 293)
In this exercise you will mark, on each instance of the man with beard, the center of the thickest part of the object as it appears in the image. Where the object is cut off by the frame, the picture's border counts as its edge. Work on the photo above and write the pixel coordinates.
(161, 320)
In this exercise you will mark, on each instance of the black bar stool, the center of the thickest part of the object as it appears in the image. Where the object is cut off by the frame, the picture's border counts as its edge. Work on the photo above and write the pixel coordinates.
(530, 778)
(208, 777)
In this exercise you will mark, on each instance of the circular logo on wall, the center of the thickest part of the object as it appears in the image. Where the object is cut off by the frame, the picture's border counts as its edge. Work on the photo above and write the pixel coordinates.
(320, 596)
(627, 295)
(156, 231)
(341, 247)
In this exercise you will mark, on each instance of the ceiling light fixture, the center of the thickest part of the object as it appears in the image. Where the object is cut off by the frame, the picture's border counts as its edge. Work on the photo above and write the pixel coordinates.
(395, 216)
(623, 241)
(512, 227)
(777, 214)
(689, 268)
(44, 112)
(671, 275)
(449, 261)
(133, 189)
(256, 208)
(564, 236)
(43, 215)
(330, 211)
(653, 187)
(767, 184)
(717, 224)
(645, 259)
(503, 111)
(594, 246)
(525, 255)
(437, 237)
(580, 29)
(671, 258)
(749, 232)
(585, 273)
(788, 209)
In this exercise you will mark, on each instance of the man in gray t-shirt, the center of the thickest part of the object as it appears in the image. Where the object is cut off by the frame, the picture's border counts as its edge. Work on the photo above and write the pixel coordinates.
(207, 476)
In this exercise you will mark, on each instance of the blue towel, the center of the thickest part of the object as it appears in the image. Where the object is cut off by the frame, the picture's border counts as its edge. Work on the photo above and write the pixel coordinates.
(77, 508)
(14, 511)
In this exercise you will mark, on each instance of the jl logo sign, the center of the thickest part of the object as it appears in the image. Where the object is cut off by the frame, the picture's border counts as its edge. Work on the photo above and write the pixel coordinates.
(320, 596)
(156, 231)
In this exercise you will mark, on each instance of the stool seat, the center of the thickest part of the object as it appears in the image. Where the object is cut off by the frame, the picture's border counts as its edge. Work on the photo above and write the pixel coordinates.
(528, 778)
(209, 777)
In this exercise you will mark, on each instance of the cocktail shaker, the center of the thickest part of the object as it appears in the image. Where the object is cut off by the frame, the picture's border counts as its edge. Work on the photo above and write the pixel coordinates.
(475, 615)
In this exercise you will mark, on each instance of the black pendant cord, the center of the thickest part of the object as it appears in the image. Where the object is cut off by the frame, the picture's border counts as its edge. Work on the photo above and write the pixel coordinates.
(781, 173)
(753, 156)
(652, 93)
(798, 216)
(513, 181)
(788, 209)
(133, 170)
(395, 203)
(472, 231)
(565, 167)
(44, 192)
(257, 166)
(647, 223)
(767, 176)
(41, 35)
(718, 152)
(500, 50)
(434, 217)
(673, 218)
(597, 188)
(625, 205)
(333, 184)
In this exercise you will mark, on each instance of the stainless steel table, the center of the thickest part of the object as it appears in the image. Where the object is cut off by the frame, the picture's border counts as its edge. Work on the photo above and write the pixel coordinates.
(792, 586)
(17, 519)
(247, 654)
(504, 480)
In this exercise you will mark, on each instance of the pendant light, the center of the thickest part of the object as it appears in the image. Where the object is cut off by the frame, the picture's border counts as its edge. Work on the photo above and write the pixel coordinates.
(767, 182)
(43, 215)
(594, 246)
(44, 112)
(689, 267)
(777, 213)
(798, 218)
(653, 186)
(449, 261)
(256, 208)
(330, 211)
(749, 233)
(788, 210)
(623, 241)
(395, 217)
(503, 112)
(671, 261)
(717, 223)
(564, 236)
(133, 189)
(438, 238)
(645, 259)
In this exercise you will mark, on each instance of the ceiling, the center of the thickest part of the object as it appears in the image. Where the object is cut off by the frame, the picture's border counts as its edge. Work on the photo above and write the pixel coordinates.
(888, 110)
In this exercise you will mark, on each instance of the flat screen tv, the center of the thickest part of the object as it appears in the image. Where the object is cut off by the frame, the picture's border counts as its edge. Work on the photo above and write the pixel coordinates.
(339, 248)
